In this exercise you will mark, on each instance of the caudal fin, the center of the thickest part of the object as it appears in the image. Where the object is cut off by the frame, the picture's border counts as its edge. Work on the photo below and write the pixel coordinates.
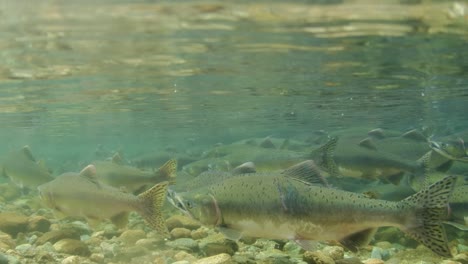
(323, 157)
(430, 207)
(167, 172)
(152, 202)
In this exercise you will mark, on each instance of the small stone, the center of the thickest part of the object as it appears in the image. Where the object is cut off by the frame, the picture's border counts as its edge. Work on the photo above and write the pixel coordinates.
(462, 258)
(292, 248)
(3, 259)
(334, 252)
(183, 244)
(179, 232)
(353, 260)
(72, 247)
(373, 261)
(222, 258)
(182, 221)
(273, 255)
(129, 237)
(23, 248)
(56, 235)
(6, 241)
(317, 258)
(97, 257)
(12, 223)
(131, 252)
(147, 243)
(181, 262)
(199, 233)
(109, 249)
(217, 244)
(71, 260)
(38, 223)
(184, 256)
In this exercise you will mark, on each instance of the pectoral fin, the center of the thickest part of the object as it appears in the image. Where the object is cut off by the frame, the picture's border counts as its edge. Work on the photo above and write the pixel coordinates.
(357, 240)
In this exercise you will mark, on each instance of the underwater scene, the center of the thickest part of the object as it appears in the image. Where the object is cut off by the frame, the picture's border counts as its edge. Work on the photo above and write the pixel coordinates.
(306, 131)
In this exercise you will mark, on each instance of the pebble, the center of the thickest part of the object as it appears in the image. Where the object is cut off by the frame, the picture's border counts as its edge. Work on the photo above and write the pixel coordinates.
(71, 260)
(317, 257)
(184, 256)
(3, 259)
(216, 259)
(38, 223)
(23, 248)
(130, 237)
(6, 241)
(182, 221)
(184, 244)
(352, 260)
(334, 252)
(217, 244)
(179, 232)
(72, 247)
(56, 235)
(462, 258)
(272, 255)
(374, 261)
(199, 233)
(13, 223)
(97, 257)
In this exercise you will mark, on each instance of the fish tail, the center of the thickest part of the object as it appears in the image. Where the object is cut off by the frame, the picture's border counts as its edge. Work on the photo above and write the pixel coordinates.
(152, 202)
(167, 172)
(323, 157)
(430, 209)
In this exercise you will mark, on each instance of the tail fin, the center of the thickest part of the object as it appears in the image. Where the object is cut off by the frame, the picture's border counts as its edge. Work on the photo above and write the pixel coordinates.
(323, 157)
(167, 172)
(152, 202)
(430, 206)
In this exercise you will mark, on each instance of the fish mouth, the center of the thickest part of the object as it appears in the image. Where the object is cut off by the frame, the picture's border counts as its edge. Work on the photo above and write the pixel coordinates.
(178, 202)
(444, 149)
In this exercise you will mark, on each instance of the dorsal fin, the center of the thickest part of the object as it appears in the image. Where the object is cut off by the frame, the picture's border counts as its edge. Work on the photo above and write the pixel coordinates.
(27, 152)
(285, 144)
(89, 172)
(367, 143)
(307, 172)
(117, 158)
(247, 167)
(414, 135)
(267, 143)
(378, 133)
(168, 171)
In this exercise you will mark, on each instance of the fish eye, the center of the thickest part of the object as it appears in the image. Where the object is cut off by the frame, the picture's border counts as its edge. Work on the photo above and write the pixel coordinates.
(189, 205)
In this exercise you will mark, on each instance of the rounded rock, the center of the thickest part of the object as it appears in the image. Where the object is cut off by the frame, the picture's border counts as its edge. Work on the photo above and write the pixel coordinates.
(38, 223)
(72, 247)
(12, 223)
(130, 237)
(334, 252)
(56, 235)
(179, 232)
(182, 221)
(216, 259)
(317, 258)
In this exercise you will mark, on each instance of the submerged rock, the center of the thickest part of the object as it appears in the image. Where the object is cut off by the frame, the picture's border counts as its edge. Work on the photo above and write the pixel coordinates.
(217, 244)
(13, 223)
(182, 221)
(179, 232)
(334, 252)
(317, 257)
(184, 244)
(216, 259)
(38, 223)
(6, 241)
(3, 259)
(54, 236)
(130, 237)
(72, 247)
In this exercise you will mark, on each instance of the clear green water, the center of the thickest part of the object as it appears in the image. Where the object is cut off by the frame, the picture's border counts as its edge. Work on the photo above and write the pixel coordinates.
(145, 75)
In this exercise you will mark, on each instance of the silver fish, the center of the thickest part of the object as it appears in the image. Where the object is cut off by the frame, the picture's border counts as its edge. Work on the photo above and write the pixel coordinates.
(23, 169)
(289, 206)
(81, 195)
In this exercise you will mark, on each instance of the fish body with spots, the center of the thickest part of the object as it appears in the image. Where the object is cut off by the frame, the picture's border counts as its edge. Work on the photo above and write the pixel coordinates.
(285, 206)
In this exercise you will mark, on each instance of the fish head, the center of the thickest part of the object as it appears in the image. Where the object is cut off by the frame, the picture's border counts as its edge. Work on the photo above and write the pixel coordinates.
(46, 195)
(199, 206)
(452, 149)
